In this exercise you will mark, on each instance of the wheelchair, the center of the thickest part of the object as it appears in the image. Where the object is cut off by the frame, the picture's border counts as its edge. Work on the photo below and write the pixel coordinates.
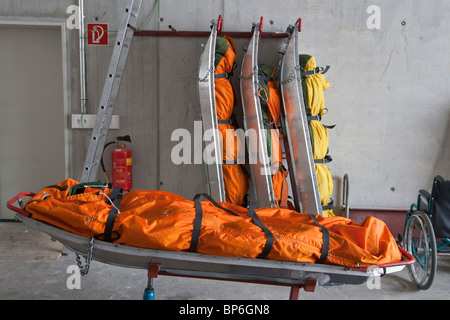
(427, 220)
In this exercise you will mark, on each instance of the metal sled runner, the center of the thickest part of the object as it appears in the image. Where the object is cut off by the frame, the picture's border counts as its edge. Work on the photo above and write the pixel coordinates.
(208, 109)
(260, 164)
(185, 264)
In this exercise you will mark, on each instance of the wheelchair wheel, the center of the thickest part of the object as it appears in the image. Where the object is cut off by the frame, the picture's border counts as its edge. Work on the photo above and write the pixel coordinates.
(420, 242)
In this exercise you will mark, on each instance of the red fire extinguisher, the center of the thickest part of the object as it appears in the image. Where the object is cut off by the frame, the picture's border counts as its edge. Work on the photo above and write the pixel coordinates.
(121, 164)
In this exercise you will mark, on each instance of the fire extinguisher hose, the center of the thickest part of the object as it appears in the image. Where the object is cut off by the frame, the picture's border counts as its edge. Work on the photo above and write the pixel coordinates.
(105, 173)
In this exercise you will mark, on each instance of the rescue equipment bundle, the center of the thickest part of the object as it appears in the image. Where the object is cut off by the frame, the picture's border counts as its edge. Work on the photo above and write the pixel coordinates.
(270, 101)
(234, 178)
(314, 84)
(164, 221)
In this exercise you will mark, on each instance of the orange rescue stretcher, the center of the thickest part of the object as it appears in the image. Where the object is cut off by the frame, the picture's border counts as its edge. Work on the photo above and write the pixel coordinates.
(114, 244)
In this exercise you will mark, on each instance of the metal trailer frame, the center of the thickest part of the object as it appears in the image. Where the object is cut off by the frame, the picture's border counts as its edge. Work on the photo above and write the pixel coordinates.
(194, 265)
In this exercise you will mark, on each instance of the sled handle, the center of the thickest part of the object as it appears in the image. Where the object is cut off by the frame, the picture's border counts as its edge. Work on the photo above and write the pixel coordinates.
(219, 24)
(10, 205)
(299, 21)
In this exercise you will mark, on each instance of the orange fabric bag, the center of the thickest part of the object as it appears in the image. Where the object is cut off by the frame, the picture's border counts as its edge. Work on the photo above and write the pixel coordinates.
(235, 180)
(164, 221)
(84, 214)
(270, 100)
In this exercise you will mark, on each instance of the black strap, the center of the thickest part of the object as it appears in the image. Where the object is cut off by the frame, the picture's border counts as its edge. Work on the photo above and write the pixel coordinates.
(316, 71)
(264, 78)
(269, 235)
(196, 225)
(319, 118)
(58, 187)
(222, 75)
(326, 240)
(251, 213)
(329, 126)
(257, 221)
(227, 121)
(270, 127)
(329, 206)
(199, 217)
(316, 117)
(326, 159)
(116, 197)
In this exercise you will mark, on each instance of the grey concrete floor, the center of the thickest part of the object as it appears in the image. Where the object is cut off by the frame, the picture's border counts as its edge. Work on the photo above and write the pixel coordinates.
(49, 279)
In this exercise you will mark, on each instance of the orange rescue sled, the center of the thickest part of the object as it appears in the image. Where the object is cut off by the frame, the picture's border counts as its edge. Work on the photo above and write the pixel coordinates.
(164, 221)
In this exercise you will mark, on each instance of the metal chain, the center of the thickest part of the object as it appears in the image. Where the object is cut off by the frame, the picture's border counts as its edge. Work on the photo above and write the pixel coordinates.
(87, 259)
(291, 76)
(205, 79)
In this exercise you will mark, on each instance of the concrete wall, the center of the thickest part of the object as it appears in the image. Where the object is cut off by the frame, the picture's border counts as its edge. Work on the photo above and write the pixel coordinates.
(389, 94)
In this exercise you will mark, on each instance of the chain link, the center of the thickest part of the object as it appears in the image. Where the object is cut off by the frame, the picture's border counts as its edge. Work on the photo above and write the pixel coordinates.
(87, 259)
(205, 79)
(291, 76)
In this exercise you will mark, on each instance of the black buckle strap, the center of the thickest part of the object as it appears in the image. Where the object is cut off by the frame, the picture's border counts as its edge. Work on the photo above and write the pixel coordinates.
(316, 71)
(317, 117)
(329, 206)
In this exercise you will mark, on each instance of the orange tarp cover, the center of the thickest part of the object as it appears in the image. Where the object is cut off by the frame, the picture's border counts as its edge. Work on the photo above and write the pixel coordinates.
(234, 178)
(164, 221)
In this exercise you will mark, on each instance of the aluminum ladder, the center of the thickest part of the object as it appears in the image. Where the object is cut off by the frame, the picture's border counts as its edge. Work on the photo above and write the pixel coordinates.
(110, 90)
